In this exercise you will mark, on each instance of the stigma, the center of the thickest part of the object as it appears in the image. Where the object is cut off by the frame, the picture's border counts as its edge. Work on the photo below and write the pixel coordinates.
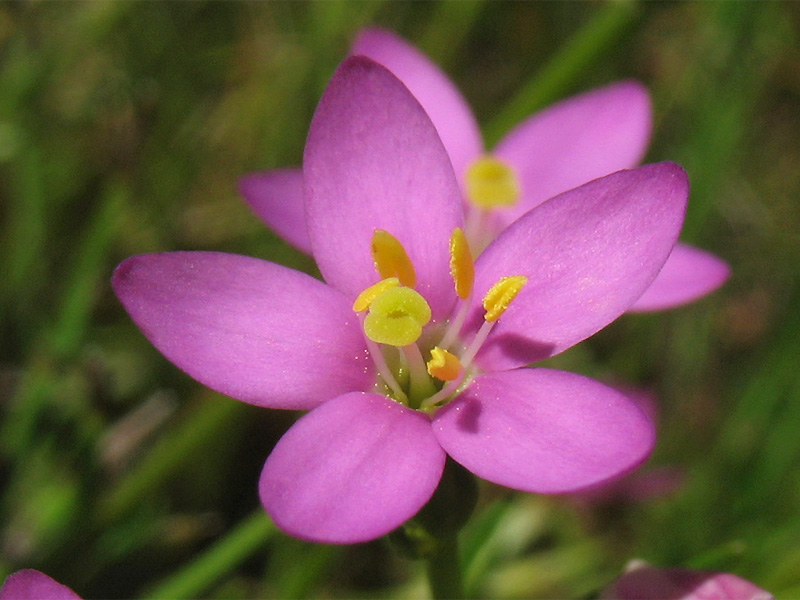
(396, 317)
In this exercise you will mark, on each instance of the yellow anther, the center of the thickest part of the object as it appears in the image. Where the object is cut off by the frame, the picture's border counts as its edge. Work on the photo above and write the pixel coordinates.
(462, 267)
(501, 295)
(492, 183)
(391, 259)
(443, 365)
(396, 317)
(366, 297)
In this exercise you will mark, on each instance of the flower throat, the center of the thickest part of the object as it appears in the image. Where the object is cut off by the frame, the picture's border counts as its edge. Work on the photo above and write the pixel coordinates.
(422, 364)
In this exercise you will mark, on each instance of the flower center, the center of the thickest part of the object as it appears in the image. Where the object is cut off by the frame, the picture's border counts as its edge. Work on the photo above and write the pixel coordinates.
(397, 326)
(491, 183)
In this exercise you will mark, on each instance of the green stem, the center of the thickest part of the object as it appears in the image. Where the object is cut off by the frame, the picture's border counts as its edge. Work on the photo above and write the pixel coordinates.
(248, 537)
(444, 571)
(89, 269)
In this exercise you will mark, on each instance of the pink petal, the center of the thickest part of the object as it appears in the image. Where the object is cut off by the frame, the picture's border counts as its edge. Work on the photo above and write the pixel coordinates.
(577, 140)
(646, 400)
(644, 485)
(30, 584)
(245, 327)
(688, 274)
(649, 583)
(351, 470)
(544, 431)
(441, 99)
(277, 199)
(588, 254)
(373, 160)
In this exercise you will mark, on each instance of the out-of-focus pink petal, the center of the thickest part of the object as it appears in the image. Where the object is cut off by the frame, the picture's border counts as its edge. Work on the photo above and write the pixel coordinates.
(441, 99)
(649, 583)
(688, 274)
(646, 400)
(544, 431)
(351, 470)
(245, 327)
(588, 254)
(30, 584)
(577, 140)
(277, 199)
(374, 160)
(644, 485)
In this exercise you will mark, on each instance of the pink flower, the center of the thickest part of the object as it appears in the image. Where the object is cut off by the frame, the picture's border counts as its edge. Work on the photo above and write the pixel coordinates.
(649, 583)
(421, 358)
(555, 150)
(30, 584)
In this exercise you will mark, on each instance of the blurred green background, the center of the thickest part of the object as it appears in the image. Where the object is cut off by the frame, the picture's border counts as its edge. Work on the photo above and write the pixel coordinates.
(124, 127)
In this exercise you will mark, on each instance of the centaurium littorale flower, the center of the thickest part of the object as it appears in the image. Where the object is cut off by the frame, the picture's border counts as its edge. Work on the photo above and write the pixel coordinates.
(557, 149)
(643, 582)
(30, 584)
(411, 350)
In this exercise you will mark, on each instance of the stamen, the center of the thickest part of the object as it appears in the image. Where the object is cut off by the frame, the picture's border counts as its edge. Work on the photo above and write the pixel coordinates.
(366, 297)
(462, 267)
(443, 365)
(491, 183)
(477, 342)
(501, 295)
(454, 326)
(495, 302)
(383, 369)
(391, 259)
(396, 317)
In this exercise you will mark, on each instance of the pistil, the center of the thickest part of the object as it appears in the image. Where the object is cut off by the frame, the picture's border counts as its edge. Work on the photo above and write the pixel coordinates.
(396, 317)
(420, 385)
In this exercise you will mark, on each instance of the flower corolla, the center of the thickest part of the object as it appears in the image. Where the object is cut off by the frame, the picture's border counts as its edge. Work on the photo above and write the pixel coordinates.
(411, 350)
